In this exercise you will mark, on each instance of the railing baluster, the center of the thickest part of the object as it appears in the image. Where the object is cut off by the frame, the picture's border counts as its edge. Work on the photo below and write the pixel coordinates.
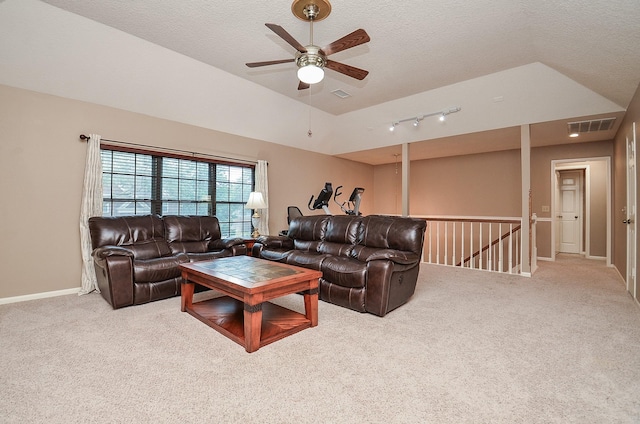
(471, 245)
(500, 250)
(510, 249)
(453, 253)
(446, 242)
(430, 226)
(438, 243)
(480, 248)
(462, 245)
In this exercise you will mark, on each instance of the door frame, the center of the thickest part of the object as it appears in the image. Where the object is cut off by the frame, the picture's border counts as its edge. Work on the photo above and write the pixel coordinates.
(581, 163)
(632, 261)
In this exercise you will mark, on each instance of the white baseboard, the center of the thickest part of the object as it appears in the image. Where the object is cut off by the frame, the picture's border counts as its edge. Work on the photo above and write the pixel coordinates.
(35, 296)
(545, 258)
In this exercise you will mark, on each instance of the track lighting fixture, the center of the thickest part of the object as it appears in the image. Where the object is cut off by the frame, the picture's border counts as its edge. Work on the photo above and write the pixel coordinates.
(416, 119)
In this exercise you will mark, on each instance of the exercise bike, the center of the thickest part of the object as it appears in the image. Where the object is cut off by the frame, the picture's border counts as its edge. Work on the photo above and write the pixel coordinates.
(353, 204)
(322, 201)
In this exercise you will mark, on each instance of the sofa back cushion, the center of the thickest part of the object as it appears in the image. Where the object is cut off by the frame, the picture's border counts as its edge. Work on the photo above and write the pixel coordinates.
(342, 234)
(308, 231)
(190, 234)
(143, 235)
(391, 232)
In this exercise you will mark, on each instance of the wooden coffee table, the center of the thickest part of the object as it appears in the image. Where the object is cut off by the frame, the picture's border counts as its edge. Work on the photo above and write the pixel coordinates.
(244, 315)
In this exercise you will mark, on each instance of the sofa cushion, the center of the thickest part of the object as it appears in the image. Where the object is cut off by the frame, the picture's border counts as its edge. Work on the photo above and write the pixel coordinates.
(312, 260)
(308, 228)
(124, 231)
(190, 233)
(158, 269)
(148, 249)
(338, 249)
(279, 255)
(343, 229)
(345, 272)
(393, 233)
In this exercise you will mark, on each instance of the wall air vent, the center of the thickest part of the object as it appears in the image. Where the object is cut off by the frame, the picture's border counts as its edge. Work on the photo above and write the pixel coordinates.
(590, 126)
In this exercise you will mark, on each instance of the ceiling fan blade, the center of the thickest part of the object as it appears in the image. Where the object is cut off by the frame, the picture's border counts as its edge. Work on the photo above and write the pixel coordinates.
(303, 85)
(270, 62)
(356, 38)
(348, 70)
(286, 37)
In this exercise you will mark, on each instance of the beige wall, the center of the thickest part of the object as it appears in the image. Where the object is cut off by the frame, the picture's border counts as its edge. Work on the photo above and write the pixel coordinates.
(620, 178)
(487, 184)
(42, 166)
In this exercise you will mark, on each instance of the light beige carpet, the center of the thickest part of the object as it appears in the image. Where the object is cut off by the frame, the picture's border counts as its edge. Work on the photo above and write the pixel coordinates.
(470, 347)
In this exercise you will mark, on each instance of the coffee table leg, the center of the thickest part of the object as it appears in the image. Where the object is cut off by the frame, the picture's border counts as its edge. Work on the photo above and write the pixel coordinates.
(311, 306)
(252, 326)
(186, 295)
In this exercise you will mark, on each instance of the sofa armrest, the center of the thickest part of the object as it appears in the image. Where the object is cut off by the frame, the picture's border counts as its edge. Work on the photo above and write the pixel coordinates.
(397, 256)
(114, 273)
(225, 243)
(106, 251)
(275, 242)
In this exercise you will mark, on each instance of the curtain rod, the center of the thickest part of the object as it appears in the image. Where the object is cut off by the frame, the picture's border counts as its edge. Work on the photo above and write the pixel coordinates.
(86, 138)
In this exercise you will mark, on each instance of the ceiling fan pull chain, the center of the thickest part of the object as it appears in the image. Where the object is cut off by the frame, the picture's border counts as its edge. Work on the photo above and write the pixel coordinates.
(309, 133)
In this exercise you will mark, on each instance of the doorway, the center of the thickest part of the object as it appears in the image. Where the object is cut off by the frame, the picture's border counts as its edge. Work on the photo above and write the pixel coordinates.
(592, 231)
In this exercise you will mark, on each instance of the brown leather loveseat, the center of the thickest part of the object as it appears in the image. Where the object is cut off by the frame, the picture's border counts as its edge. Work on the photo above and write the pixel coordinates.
(369, 264)
(137, 258)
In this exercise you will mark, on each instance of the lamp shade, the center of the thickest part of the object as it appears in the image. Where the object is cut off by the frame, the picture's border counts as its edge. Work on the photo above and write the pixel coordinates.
(256, 201)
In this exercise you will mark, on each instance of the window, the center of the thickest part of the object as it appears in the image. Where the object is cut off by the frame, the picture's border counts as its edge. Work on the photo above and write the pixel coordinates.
(141, 183)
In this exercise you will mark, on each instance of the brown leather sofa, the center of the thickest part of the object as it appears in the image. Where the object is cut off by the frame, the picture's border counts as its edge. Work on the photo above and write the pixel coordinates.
(369, 264)
(137, 258)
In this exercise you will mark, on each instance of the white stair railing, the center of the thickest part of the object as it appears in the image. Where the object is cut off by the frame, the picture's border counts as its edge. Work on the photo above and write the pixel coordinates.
(483, 243)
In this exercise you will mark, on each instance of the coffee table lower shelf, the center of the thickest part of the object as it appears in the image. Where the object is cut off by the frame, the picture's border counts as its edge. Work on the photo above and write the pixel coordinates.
(226, 315)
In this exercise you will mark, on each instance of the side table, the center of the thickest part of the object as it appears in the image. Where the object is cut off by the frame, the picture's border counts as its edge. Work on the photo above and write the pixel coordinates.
(249, 242)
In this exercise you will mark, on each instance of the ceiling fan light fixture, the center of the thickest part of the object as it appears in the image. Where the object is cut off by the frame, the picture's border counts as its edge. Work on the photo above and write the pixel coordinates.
(310, 65)
(310, 74)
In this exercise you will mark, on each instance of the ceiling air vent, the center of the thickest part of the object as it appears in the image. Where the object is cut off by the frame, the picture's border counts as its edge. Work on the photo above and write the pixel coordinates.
(591, 126)
(341, 93)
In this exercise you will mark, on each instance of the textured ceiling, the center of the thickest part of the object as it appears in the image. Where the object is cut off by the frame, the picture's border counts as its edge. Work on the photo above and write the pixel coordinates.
(505, 62)
(416, 45)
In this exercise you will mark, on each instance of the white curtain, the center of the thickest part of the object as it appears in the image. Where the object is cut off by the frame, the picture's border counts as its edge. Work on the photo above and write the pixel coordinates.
(91, 206)
(262, 185)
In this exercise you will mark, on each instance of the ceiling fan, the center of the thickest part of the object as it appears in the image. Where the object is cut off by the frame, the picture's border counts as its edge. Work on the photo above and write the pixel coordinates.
(311, 59)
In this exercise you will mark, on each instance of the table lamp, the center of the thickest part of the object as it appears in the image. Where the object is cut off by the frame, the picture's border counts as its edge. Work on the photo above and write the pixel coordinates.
(256, 201)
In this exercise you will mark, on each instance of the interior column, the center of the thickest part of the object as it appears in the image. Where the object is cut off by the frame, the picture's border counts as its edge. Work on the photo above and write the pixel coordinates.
(525, 159)
(405, 179)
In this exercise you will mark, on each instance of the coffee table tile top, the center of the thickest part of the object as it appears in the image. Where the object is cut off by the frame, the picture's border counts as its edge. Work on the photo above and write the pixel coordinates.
(247, 269)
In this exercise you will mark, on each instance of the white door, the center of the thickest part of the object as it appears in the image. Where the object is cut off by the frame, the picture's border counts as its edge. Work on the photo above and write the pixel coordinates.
(631, 213)
(569, 215)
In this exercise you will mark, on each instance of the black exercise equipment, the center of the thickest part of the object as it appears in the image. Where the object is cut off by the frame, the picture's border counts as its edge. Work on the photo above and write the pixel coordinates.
(322, 201)
(293, 212)
(353, 204)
